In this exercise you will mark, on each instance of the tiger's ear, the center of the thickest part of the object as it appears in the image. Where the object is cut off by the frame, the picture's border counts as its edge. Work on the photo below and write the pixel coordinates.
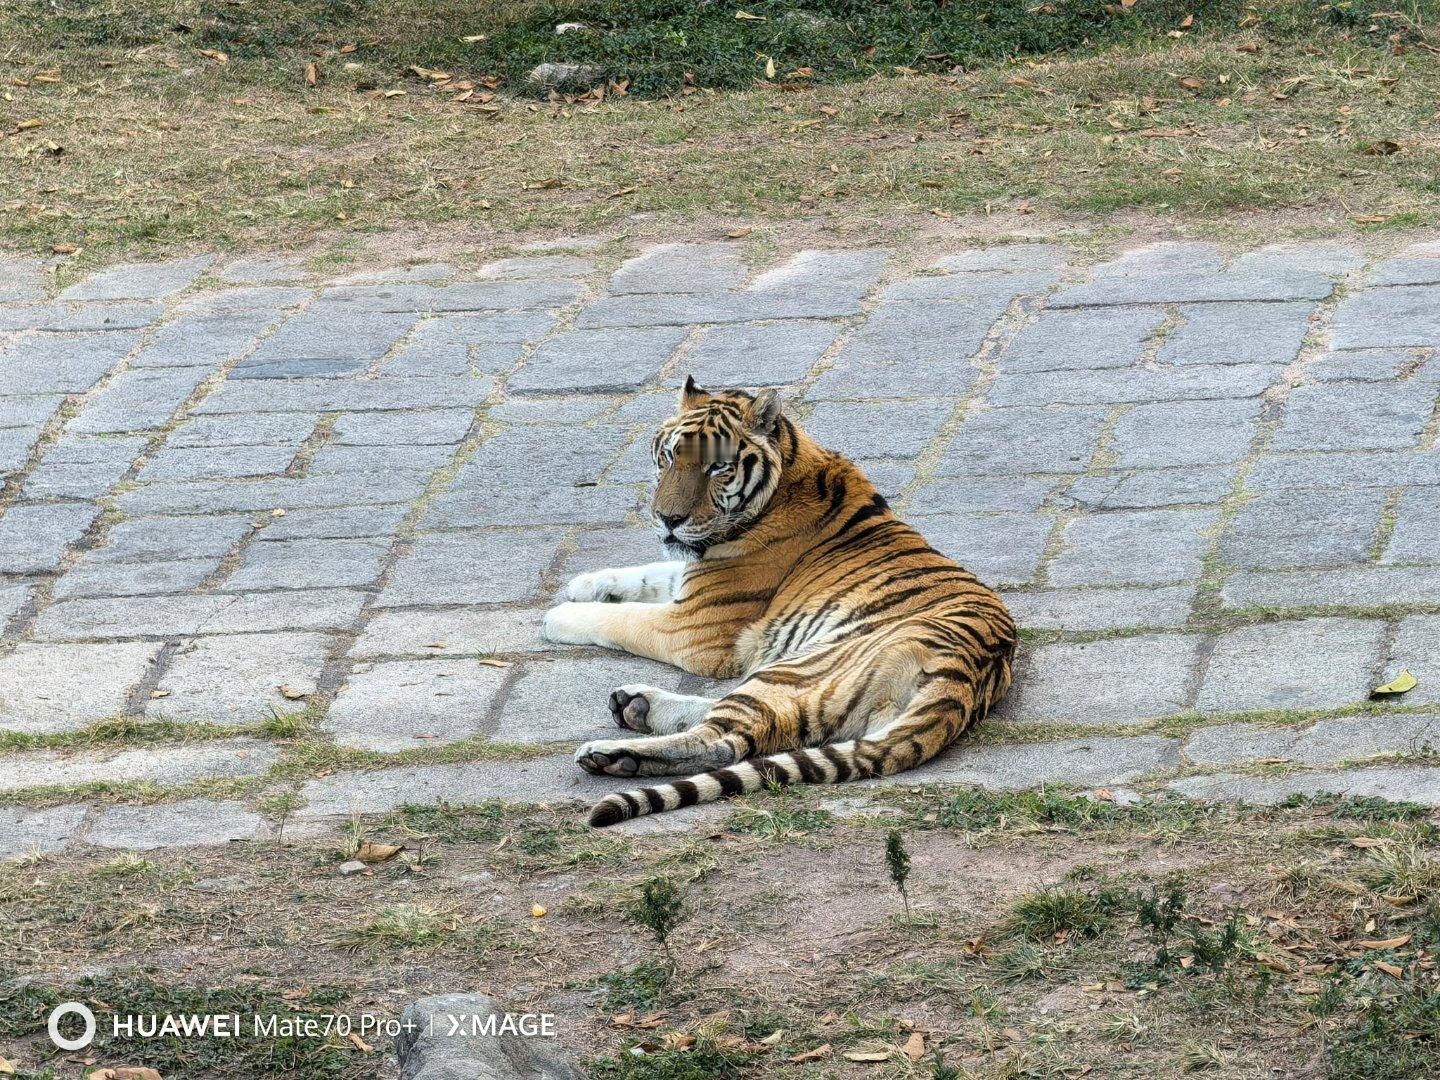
(691, 396)
(762, 415)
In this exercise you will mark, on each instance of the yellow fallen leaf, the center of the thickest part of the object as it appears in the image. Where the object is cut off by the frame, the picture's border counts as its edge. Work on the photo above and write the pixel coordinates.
(1368, 841)
(866, 1055)
(7, 1067)
(29, 125)
(537, 911)
(490, 661)
(1401, 684)
(769, 67)
(747, 17)
(1387, 943)
(360, 1044)
(736, 234)
(378, 853)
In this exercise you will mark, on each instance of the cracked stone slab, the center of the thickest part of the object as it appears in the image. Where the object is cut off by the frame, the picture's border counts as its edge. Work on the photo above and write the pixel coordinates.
(1306, 664)
(171, 765)
(1104, 338)
(1024, 440)
(1143, 489)
(817, 269)
(1355, 416)
(307, 564)
(1326, 742)
(756, 354)
(1399, 317)
(680, 268)
(240, 679)
(597, 360)
(25, 832)
(62, 363)
(1237, 334)
(877, 429)
(192, 823)
(1122, 386)
(564, 699)
(1185, 433)
(1085, 683)
(48, 688)
(1415, 784)
(401, 704)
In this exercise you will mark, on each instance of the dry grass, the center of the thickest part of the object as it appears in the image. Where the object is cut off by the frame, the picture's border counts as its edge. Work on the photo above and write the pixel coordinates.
(143, 148)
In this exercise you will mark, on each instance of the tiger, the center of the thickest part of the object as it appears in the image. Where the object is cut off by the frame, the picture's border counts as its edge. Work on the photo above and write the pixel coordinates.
(862, 650)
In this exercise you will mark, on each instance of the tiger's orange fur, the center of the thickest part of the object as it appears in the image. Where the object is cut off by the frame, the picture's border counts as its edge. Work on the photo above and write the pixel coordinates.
(863, 650)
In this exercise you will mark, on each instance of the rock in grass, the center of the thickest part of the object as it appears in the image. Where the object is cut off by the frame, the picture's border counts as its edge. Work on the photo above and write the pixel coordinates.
(482, 1046)
(555, 76)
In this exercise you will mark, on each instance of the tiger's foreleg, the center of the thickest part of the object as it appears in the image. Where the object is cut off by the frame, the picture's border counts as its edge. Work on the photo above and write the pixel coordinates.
(655, 631)
(652, 583)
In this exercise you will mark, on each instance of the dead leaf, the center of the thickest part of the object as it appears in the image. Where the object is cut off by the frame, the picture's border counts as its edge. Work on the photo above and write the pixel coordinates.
(64, 249)
(216, 55)
(1387, 943)
(773, 1039)
(866, 1055)
(1368, 841)
(155, 695)
(824, 1050)
(769, 67)
(1381, 148)
(1190, 82)
(289, 693)
(745, 16)
(914, 1047)
(1389, 969)
(537, 911)
(7, 1067)
(490, 661)
(312, 74)
(361, 1044)
(125, 1073)
(736, 234)
(1401, 684)
(1187, 22)
(378, 853)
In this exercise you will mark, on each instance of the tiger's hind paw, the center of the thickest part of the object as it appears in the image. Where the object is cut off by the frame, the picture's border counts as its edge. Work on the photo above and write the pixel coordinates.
(610, 762)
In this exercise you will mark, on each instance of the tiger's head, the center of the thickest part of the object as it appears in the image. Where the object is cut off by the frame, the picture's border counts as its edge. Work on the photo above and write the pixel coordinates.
(718, 464)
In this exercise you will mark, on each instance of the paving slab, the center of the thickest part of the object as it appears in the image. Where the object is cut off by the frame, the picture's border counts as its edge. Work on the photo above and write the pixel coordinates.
(1305, 664)
(223, 758)
(564, 699)
(1094, 682)
(27, 832)
(1122, 608)
(1415, 784)
(193, 823)
(240, 679)
(403, 704)
(1156, 547)
(1326, 742)
(48, 688)
(458, 632)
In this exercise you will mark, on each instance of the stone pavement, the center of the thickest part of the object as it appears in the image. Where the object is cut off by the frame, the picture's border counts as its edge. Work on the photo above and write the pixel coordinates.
(1208, 483)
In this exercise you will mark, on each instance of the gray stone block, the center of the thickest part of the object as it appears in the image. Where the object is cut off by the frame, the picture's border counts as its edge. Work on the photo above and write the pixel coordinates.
(1109, 338)
(210, 496)
(1405, 272)
(856, 271)
(139, 400)
(417, 462)
(173, 463)
(453, 633)
(29, 411)
(163, 539)
(877, 429)
(999, 549)
(1005, 257)
(1400, 317)
(683, 309)
(1183, 273)
(48, 688)
(1158, 547)
(1149, 488)
(1117, 387)
(489, 328)
(1326, 742)
(401, 297)
(21, 279)
(604, 360)
(1416, 649)
(139, 281)
(103, 577)
(1362, 585)
(535, 266)
(28, 832)
(463, 1036)
(1355, 416)
(34, 538)
(130, 316)
(552, 779)
(1071, 763)
(756, 354)
(979, 289)
(602, 549)
(1185, 433)
(471, 507)
(1382, 469)
(544, 457)
(261, 269)
(15, 446)
(206, 340)
(566, 410)
(193, 823)
(1024, 440)
(1308, 664)
(61, 363)
(13, 598)
(1238, 334)
(260, 429)
(1101, 609)
(680, 268)
(564, 699)
(472, 568)
(308, 564)
(1393, 783)
(1416, 538)
(170, 765)
(344, 523)
(238, 679)
(334, 395)
(507, 295)
(54, 478)
(1363, 365)
(425, 359)
(1280, 529)
(972, 493)
(187, 616)
(1124, 681)
(402, 704)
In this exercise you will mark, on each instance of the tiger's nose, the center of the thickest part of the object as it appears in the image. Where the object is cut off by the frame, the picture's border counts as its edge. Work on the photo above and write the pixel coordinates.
(671, 521)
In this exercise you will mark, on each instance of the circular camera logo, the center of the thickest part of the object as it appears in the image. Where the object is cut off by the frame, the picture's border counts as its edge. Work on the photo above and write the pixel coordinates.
(71, 1008)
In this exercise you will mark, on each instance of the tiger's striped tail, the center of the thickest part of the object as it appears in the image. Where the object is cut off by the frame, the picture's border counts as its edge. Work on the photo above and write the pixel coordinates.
(831, 764)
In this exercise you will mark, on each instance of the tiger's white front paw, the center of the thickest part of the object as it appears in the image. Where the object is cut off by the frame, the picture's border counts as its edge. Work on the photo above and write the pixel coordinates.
(603, 586)
(570, 624)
